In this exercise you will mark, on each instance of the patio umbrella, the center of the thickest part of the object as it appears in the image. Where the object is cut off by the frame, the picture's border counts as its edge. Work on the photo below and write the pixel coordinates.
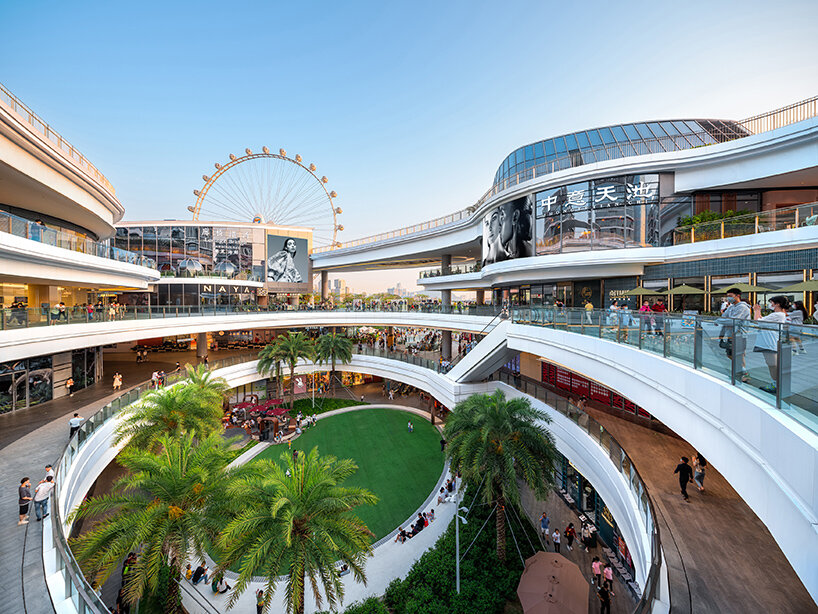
(641, 291)
(811, 285)
(551, 584)
(684, 289)
(743, 287)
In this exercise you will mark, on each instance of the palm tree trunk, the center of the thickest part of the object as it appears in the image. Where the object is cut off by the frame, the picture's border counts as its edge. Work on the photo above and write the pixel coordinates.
(501, 529)
(300, 608)
(292, 385)
(332, 377)
(173, 600)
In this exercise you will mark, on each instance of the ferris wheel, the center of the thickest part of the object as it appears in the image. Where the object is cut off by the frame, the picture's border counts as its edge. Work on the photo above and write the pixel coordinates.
(270, 188)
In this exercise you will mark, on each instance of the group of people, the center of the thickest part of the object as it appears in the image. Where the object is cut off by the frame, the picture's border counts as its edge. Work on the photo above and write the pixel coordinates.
(203, 574)
(158, 379)
(601, 573)
(688, 474)
(40, 496)
(421, 522)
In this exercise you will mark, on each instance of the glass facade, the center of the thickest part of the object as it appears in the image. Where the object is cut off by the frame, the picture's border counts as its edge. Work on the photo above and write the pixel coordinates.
(192, 250)
(611, 142)
(204, 294)
(25, 383)
(604, 213)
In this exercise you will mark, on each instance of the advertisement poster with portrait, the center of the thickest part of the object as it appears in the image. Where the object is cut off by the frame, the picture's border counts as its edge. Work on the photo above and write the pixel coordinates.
(287, 260)
(508, 231)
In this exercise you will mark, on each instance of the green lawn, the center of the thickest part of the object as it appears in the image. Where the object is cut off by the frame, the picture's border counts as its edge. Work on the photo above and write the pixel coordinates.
(401, 468)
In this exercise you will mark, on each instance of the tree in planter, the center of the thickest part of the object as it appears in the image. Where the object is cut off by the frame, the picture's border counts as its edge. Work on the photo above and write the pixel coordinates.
(300, 524)
(495, 441)
(191, 407)
(167, 505)
(269, 364)
(289, 349)
(334, 348)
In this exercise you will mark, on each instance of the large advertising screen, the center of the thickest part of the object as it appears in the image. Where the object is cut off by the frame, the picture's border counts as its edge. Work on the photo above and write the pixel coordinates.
(287, 260)
(508, 231)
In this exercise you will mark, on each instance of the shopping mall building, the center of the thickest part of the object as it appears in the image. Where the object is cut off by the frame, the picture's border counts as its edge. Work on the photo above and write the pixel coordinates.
(670, 210)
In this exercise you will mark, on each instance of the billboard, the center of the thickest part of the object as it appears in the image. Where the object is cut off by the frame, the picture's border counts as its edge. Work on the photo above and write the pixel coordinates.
(287, 260)
(508, 231)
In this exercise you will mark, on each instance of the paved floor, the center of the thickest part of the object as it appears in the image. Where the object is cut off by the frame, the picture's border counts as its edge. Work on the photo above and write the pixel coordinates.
(716, 547)
(29, 439)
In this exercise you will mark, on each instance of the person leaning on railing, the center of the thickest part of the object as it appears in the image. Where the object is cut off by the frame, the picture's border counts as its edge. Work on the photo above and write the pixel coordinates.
(733, 336)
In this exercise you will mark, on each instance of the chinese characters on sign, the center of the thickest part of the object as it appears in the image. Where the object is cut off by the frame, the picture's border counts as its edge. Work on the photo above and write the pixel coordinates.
(615, 192)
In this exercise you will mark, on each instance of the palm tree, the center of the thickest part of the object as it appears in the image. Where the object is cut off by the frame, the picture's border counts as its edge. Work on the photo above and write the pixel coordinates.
(289, 349)
(300, 524)
(184, 408)
(269, 364)
(215, 388)
(499, 441)
(331, 348)
(167, 505)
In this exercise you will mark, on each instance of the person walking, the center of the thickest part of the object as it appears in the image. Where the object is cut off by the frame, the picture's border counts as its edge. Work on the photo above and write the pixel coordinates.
(41, 494)
(570, 535)
(259, 601)
(607, 576)
(74, 424)
(685, 475)
(596, 569)
(117, 381)
(585, 537)
(555, 537)
(699, 468)
(605, 598)
(24, 498)
(545, 524)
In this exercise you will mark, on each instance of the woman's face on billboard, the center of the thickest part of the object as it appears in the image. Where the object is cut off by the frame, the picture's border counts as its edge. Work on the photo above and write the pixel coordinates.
(494, 225)
(289, 245)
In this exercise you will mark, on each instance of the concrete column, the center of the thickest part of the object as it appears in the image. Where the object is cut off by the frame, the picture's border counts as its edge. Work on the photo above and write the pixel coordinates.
(446, 345)
(324, 285)
(446, 298)
(294, 300)
(481, 297)
(446, 264)
(201, 345)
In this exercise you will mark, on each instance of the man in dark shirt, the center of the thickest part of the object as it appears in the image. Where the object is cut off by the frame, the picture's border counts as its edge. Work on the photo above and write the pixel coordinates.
(24, 493)
(685, 475)
(605, 597)
(197, 575)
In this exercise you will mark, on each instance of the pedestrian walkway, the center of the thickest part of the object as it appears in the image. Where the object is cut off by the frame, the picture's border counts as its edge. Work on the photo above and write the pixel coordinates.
(721, 558)
(29, 439)
(560, 515)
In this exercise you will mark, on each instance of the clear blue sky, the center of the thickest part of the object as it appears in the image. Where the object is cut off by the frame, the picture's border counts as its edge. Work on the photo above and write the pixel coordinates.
(408, 108)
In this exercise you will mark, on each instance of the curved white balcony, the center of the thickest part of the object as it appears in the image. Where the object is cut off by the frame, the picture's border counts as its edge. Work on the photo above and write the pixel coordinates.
(92, 450)
(42, 172)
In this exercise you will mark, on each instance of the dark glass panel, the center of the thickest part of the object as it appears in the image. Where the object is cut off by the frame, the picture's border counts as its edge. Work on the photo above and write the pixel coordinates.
(538, 151)
(644, 131)
(549, 148)
(529, 152)
(596, 141)
(656, 129)
(670, 128)
(571, 142)
(607, 135)
(560, 145)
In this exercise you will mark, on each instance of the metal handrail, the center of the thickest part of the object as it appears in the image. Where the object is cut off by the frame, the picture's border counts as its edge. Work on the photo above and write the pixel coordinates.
(599, 433)
(66, 150)
(770, 120)
(66, 239)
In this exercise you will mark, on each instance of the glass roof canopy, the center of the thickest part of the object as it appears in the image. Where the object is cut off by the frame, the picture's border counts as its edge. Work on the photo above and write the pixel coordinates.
(619, 141)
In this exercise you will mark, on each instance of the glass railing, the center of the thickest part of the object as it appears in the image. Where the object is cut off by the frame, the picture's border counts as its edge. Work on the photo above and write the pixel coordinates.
(68, 151)
(65, 239)
(454, 270)
(748, 224)
(618, 457)
(27, 317)
(77, 588)
(439, 366)
(772, 361)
